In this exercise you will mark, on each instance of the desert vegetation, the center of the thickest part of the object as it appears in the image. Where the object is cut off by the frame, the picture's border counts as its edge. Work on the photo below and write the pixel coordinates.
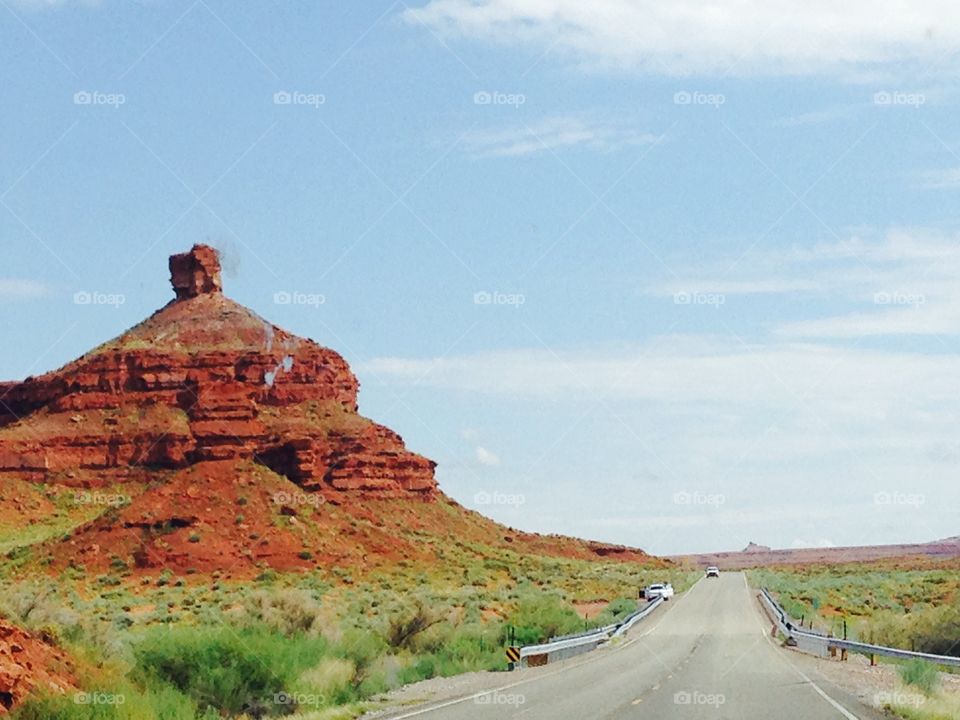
(326, 643)
(913, 606)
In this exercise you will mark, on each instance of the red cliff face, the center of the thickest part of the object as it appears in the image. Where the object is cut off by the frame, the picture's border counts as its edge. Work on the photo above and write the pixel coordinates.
(204, 379)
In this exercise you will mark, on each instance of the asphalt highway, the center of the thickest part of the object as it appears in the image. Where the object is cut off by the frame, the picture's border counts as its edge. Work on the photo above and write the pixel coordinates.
(704, 655)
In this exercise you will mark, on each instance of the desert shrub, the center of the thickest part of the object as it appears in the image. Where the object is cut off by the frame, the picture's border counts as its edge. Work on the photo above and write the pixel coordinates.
(540, 616)
(289, 611)
(925, 629)
(617, 609)
(161, 704)
(360, 645)
(404, 627)
(921, 675)
(224, 669)
(332, 677)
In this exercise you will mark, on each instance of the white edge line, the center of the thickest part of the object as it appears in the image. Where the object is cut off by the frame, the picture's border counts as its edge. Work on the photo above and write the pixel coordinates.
(837, 706)
(840, 708)
(474, 696)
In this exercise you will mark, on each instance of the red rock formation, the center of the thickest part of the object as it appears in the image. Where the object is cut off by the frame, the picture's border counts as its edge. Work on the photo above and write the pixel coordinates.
(196, 272)
(27, 664)
(205, 379)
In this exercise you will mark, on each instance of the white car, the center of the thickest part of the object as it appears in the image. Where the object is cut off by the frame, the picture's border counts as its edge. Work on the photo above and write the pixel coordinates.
(664, 590)
(713, 571)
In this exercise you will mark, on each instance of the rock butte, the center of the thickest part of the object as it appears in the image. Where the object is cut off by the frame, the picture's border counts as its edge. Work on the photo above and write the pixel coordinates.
(207, 440)
(204, 379)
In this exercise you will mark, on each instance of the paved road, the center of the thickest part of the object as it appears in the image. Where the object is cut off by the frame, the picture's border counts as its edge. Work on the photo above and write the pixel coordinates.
(705, 655)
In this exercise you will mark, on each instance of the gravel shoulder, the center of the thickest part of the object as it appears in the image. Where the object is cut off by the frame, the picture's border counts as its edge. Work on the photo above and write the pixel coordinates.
(875, 686)
(438, 690)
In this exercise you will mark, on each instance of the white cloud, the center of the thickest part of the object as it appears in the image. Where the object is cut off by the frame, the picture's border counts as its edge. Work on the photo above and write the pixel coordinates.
(903, 283)
(710, 518)
(686, 37)
(486, 457)
(918, 320)
(553, 134)
(801, 544)
(720, 286)
(687, 373)
(943, 178)
(14, 288)
(45, 4)
(816, 117)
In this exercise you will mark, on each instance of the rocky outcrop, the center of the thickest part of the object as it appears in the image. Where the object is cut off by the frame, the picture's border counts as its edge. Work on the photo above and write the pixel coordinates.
(205, 379)
(29, 664)
(196, 272)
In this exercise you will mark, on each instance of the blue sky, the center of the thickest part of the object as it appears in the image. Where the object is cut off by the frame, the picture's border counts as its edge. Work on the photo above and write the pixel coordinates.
(673, 277)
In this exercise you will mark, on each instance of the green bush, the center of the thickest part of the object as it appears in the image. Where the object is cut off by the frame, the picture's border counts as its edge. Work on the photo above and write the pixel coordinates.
(616, 610)
(921, 675)
(224, 669)
(540, 616)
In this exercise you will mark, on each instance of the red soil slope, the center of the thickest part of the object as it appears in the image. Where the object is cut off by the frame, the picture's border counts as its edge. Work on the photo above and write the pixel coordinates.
(27, 664)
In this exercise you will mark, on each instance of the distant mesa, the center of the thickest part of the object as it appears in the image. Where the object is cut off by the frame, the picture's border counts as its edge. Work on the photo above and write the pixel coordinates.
(754, 555)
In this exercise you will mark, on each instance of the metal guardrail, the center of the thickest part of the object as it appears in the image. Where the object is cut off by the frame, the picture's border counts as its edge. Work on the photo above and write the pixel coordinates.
(822, 643)
(570, 645)
(629, 621)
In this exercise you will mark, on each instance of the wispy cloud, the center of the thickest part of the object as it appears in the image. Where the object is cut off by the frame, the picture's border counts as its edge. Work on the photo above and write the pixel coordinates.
(900, 284)
(757, 286)
(942, 178)
(46, 4)
(14, 288)
(687, 37)
(553, 134)
(817, 117)
(486, 457)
